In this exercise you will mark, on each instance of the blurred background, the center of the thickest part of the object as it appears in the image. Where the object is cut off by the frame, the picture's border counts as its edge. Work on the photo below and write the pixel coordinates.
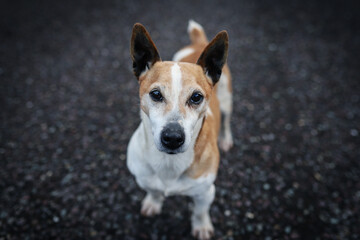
(69, 104)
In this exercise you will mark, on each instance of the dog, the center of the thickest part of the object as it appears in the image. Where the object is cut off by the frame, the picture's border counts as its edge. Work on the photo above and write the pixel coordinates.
(174, 151)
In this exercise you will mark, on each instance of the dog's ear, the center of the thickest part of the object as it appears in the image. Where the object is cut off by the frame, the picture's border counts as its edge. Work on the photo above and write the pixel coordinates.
(143, 50)
(214, 56)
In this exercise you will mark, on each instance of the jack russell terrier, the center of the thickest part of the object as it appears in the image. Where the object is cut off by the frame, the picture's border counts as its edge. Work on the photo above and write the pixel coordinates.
(174, 150)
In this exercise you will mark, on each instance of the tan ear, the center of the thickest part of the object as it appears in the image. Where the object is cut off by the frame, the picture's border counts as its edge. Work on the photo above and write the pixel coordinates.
(143, 50)
(214, 56)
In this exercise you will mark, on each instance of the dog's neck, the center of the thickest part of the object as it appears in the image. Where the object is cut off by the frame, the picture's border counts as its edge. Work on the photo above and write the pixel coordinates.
(169, 166)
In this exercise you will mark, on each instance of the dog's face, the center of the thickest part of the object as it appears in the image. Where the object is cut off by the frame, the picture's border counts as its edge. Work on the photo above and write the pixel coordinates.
(175, 96)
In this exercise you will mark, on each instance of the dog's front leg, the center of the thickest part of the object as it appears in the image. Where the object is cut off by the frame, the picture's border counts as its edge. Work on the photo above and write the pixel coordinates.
(202, 227)
(152, 203)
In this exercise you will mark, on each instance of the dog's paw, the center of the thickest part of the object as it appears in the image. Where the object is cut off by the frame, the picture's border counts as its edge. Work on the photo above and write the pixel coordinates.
(226, 143)
(202, 227)
(150, 206)
(203, 232)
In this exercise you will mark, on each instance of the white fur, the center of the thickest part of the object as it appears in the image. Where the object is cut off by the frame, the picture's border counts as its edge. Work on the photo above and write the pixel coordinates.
(209, 112)
(182, 54)
(152, 204)
(176, 85)
(223, 94)
(161, 172)
(192, 25)
(225, 100)
(201, 221)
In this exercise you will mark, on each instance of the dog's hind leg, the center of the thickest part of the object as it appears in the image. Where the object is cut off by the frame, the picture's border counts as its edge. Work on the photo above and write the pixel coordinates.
(224, 94)
(202, 227)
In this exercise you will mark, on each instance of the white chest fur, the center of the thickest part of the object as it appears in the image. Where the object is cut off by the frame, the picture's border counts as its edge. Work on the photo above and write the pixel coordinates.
(158, 171)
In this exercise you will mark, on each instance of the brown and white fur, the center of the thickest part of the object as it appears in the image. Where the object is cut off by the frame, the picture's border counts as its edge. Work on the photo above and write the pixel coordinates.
(174, 150)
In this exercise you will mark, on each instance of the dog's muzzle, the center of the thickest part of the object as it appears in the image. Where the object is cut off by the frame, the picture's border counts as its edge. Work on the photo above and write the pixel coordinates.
(172, 136)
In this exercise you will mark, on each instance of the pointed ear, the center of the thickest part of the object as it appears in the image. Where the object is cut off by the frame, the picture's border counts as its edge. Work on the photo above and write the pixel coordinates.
(214, 56)
(143, 50)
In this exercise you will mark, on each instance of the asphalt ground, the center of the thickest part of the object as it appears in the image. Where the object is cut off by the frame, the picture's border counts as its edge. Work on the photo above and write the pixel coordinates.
(69, 104)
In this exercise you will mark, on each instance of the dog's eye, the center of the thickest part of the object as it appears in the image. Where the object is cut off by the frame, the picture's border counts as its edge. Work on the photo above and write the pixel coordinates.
(156, 95)
(196, 98)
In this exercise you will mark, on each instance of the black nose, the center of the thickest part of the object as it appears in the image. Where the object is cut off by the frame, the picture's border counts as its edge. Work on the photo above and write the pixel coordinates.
(172, 136)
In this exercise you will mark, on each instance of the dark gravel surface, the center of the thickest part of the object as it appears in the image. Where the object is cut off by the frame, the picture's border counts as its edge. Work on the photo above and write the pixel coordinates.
(69, 104)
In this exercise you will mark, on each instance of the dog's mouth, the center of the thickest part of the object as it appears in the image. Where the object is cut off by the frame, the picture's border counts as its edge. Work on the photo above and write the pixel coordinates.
(171, 151)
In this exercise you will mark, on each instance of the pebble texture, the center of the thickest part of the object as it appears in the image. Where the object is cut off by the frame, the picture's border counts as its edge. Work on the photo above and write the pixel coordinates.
(69, 104)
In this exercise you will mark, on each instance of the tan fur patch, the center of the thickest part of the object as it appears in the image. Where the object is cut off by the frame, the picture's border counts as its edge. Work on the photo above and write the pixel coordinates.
(192, 78)
(207, 157)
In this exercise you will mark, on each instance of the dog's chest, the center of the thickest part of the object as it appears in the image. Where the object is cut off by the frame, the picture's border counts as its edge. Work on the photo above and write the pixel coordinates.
(182, 185)
(169, 177)
(170, 186)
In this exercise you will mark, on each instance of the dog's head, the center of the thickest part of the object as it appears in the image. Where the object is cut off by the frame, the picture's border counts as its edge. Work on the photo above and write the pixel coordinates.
(175, 96)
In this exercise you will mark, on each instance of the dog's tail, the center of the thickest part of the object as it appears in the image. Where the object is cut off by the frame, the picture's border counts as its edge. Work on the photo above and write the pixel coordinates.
(196, 33)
